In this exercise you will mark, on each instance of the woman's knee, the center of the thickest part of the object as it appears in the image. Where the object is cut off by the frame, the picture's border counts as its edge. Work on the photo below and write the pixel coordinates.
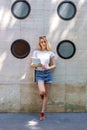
(42, 92)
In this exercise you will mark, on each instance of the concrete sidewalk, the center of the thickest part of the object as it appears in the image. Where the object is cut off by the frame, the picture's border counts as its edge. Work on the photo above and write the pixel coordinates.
(53, 121)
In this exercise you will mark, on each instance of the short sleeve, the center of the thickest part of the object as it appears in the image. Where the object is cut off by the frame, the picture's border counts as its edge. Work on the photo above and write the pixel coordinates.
(52, 54)
(34, 54)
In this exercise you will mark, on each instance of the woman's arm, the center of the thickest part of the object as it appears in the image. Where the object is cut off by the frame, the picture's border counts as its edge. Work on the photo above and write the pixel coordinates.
(52, 64)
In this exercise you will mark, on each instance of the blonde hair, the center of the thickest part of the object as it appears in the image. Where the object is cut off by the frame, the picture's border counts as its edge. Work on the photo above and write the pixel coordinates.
(48, 48)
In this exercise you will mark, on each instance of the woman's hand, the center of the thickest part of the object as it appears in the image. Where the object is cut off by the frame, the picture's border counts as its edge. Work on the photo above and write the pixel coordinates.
(44, 67)
(36, 65)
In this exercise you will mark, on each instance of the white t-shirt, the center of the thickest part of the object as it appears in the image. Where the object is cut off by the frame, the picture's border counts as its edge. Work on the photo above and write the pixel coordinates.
(44, 57)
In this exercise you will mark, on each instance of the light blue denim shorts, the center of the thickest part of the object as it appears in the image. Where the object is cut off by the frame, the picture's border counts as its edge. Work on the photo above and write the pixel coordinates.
(45, 76)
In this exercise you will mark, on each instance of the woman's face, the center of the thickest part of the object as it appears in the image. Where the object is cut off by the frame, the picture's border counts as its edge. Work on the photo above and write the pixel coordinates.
(43, 44)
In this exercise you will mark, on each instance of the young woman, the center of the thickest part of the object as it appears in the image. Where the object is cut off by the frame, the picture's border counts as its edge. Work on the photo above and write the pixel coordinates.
(43, 74)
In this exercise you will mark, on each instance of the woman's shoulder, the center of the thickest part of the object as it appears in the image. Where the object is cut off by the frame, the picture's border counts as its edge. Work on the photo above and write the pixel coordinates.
(35, 51)
(51, 53)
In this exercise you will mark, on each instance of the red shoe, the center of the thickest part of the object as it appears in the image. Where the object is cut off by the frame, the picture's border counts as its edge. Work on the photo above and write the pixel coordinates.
(42, 117)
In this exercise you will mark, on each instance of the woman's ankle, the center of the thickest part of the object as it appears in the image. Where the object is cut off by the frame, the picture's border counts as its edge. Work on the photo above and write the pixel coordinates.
(42, 116)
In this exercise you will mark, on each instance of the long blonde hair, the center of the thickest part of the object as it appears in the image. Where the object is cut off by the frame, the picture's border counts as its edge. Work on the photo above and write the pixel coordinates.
(48, 48)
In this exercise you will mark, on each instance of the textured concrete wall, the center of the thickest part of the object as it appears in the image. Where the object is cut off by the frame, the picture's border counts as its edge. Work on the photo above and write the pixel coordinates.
(18, 92)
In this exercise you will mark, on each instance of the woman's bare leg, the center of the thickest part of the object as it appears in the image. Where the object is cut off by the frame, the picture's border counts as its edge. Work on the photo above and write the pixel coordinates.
(41, 87)
(43, 90)
(44, 103)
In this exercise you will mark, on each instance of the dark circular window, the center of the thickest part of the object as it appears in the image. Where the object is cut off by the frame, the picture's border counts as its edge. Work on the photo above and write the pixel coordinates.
(21, 9)
(20, 48)
(66, 10)
(66, 49)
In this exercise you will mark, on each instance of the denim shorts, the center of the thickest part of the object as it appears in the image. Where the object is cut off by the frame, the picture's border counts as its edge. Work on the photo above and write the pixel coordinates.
(45, 76)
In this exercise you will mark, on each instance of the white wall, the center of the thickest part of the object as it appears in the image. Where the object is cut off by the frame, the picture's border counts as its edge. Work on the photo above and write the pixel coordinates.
(17, 91)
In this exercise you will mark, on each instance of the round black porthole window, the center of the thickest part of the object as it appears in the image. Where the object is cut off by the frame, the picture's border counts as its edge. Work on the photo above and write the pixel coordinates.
(20, 48)
(66, 49)
(66, 10)
(20, 9)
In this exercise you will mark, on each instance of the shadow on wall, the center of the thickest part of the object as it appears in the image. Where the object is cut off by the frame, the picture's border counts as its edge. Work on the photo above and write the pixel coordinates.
(56, 28)
(11, 28)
